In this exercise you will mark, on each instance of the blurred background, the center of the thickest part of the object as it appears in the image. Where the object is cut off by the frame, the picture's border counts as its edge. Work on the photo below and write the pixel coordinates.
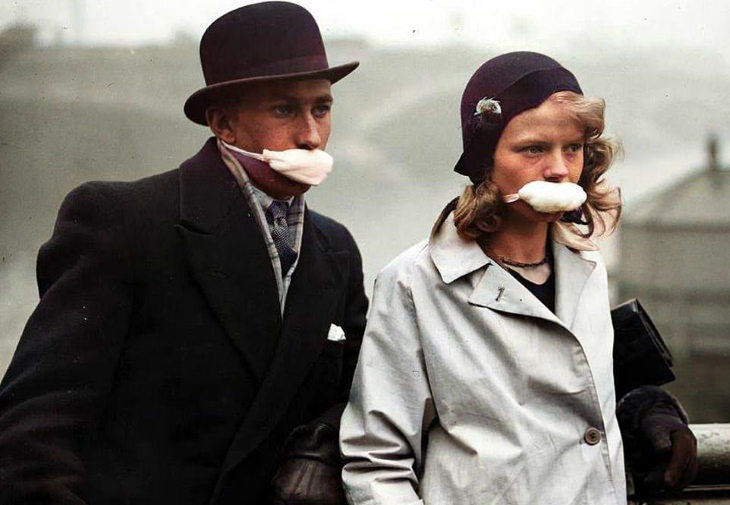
(94, 90)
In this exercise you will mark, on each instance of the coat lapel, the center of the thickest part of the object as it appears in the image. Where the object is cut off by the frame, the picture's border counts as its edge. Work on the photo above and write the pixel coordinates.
(228, 258)
(572, 273)
(497, 289)
(308, 314)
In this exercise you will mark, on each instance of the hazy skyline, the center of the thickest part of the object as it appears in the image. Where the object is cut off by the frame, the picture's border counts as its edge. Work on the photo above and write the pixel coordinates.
(552, 26)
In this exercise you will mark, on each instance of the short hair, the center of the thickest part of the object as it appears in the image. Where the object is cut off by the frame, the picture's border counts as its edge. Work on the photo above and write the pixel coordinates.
(479, 210)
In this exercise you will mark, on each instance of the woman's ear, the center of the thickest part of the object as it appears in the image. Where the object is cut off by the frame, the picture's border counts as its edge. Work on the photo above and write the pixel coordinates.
(219, 122)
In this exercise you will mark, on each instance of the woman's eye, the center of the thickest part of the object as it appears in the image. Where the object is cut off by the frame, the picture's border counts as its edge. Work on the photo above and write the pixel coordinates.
(574, 148)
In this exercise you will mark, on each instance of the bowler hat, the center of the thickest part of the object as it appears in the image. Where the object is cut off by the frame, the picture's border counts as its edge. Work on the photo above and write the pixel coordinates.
(260, 42)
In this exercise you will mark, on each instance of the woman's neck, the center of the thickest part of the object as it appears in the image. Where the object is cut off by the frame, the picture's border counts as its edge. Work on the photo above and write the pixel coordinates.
(524, 244)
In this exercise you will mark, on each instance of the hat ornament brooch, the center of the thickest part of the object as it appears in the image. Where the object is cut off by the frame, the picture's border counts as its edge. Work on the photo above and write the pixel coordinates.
(487, 111)
(487, 107)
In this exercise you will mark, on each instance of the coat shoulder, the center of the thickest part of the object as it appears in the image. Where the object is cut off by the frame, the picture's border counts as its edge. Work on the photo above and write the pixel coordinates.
(400, 270)
(139, 203)
(331, 230)
(139, 192)
(327, 224)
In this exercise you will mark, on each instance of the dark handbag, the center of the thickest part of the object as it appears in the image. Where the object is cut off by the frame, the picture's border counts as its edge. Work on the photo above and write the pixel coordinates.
(640, 356)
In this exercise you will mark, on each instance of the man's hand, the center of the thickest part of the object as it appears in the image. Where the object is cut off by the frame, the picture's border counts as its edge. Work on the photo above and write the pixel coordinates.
(303, 481)
(310, 470)
(661, 450)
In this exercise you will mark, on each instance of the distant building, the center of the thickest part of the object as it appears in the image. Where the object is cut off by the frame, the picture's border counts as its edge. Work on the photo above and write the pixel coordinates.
(675, 258)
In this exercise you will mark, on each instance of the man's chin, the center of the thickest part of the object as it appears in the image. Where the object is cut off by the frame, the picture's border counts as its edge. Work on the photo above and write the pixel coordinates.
(297, 188)
(280, 187)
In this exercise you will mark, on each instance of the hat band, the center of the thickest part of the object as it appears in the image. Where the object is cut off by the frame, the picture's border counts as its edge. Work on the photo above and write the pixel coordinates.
(276, 68)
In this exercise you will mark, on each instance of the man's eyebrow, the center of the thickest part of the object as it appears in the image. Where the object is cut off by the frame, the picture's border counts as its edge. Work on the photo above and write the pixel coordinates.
(325, 97)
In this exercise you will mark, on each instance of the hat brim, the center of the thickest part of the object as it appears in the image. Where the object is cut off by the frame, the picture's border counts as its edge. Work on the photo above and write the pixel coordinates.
(196, 104)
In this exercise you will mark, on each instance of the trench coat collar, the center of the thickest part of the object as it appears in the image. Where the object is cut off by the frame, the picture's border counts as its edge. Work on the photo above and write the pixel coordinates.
(453, 255)
(456, 257)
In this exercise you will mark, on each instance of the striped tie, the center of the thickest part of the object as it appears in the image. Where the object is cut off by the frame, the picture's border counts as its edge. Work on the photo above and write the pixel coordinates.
(283, 239)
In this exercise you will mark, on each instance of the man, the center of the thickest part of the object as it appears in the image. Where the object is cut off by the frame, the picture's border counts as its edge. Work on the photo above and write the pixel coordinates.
(190, 341)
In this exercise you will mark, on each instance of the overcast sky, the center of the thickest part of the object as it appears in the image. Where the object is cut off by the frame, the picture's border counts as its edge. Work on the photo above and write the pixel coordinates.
(554, 24)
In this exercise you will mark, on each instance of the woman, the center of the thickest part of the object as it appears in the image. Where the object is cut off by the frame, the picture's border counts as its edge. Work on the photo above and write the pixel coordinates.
(486, 375)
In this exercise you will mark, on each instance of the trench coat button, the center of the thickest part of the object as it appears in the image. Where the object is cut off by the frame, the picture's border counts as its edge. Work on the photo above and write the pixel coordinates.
(592, 436)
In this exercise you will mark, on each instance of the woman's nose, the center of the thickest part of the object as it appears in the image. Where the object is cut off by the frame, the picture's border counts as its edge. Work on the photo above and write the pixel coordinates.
(557, 168)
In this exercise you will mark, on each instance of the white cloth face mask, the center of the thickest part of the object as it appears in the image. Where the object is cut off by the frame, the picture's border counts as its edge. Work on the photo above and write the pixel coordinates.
(302, 165)
(544, 196)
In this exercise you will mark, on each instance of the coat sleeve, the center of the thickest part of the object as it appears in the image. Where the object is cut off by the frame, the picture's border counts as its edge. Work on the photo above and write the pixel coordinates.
(63, 367)
(390, 407)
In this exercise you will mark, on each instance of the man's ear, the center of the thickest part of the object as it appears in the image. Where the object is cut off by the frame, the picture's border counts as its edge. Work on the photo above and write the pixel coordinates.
(219, 122)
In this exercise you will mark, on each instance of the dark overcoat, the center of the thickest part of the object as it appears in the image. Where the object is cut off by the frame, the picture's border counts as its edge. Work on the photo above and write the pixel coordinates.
(157, 367)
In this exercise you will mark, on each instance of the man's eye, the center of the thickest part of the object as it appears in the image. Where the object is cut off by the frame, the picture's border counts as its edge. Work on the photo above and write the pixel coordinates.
(533, 149)
(322, 110)
(283, 110)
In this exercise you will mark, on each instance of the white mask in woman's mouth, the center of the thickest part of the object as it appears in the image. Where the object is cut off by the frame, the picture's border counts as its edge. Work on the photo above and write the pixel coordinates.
(544, 196)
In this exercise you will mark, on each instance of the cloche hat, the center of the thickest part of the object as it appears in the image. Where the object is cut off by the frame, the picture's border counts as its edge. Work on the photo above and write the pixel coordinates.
(500, 89)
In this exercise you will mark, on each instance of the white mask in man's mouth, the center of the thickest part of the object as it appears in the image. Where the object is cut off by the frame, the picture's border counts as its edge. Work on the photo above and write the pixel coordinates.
(544, 196)
(302, 165)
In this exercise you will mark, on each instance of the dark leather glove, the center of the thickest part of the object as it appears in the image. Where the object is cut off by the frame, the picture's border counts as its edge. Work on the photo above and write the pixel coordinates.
(661, 450)
(310, 471)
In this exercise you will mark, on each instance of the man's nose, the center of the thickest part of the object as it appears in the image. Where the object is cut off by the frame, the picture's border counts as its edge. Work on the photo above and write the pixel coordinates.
(308, 134)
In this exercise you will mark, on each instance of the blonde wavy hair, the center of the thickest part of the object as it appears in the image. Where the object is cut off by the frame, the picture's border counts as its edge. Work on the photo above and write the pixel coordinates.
(478, 211)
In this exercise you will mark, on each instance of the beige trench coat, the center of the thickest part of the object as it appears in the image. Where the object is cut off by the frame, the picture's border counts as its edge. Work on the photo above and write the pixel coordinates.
(470, 391)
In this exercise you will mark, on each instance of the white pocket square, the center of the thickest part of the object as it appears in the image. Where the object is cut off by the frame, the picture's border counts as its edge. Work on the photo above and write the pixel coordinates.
(336, 334)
